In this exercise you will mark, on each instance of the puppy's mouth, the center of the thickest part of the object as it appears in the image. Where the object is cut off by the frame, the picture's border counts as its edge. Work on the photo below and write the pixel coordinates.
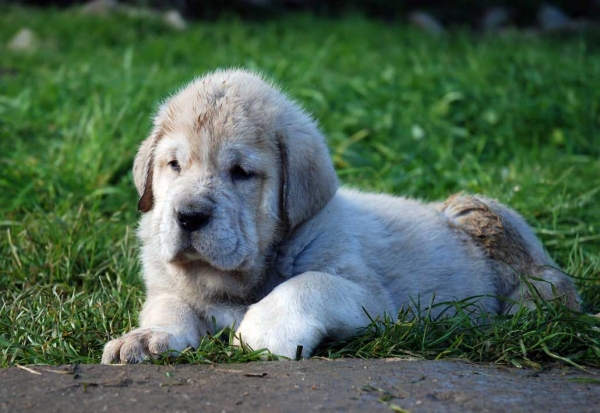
(188, 255)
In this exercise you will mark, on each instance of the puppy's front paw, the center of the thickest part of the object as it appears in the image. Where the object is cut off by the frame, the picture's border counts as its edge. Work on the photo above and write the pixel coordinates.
(280, 333)
(142, 343)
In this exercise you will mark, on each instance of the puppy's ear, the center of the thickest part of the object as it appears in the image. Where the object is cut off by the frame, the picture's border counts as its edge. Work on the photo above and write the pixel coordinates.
(308, 178)
(143, 171)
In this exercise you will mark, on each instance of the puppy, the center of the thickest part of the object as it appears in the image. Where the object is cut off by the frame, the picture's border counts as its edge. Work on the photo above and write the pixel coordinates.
(243, 222)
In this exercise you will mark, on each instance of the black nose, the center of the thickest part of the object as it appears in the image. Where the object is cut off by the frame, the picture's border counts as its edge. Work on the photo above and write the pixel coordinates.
(192, 220)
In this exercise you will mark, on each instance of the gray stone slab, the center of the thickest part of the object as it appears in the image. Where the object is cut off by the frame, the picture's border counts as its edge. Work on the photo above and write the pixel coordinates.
(313, 385)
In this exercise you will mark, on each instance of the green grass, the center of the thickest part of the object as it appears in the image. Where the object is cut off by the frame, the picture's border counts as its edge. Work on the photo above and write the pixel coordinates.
(514, 117)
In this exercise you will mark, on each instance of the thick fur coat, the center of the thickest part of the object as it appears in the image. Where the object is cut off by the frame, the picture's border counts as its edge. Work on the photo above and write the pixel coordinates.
(243, 222)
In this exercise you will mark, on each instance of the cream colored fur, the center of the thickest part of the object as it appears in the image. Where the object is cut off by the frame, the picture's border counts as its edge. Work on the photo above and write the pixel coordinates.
(285, 256)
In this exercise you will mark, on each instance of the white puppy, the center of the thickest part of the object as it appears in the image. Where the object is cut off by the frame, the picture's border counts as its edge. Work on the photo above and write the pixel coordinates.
(244, 222)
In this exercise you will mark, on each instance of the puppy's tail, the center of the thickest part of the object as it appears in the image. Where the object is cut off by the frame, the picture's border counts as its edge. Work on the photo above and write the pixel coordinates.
(526, 272)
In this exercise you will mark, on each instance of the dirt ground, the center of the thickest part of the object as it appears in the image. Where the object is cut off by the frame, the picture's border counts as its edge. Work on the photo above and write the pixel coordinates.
(343, 385)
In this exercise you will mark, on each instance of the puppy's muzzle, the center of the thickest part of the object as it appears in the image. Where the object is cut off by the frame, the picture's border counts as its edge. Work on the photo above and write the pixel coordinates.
(191, 220)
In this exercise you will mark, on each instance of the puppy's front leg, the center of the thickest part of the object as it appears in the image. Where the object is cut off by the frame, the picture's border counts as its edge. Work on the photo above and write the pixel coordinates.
(166, 323)
(307, 309)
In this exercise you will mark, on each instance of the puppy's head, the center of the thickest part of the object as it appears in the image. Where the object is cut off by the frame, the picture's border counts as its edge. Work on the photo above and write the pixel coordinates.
(230, 166)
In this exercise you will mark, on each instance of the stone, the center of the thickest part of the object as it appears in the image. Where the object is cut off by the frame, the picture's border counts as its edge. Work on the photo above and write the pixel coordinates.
(495, 18)
(25, 40)
(426, 22)
(552, 18)
(344, 385)
(175, 20)
(100, 7)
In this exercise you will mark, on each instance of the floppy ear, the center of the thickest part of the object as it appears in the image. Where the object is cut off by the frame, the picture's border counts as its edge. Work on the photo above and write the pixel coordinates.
(143, 171)
(308, 178)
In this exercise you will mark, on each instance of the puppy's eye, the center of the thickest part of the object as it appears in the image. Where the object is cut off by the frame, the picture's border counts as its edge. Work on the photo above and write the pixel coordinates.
(175, 165)
(240, 174)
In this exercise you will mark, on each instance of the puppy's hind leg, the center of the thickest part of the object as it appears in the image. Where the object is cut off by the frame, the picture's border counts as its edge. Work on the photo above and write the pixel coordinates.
(516, 252)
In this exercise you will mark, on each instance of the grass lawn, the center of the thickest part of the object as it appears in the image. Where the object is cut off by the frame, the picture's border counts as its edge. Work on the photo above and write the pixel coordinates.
(514, 117)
